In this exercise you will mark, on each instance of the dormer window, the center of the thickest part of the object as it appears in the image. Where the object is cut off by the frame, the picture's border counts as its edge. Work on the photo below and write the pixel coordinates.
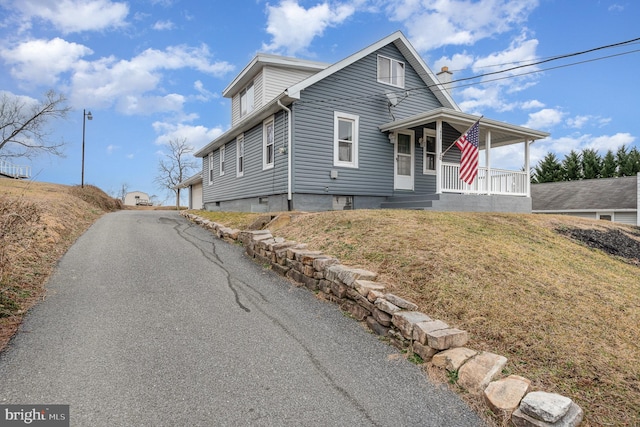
(247, 98)
(390, 71)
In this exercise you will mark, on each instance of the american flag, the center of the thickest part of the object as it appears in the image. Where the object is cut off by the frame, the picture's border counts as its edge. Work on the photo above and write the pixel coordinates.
(468, 144)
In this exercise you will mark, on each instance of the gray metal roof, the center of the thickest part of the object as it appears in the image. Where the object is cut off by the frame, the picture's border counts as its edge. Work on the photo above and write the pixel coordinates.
(586, 195)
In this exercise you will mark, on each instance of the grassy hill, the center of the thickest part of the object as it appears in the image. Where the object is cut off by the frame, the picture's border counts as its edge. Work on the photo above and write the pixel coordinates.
(532, 288)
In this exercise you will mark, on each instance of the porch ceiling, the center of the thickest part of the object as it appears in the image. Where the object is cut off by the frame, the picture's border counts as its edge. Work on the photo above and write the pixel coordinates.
(501, 133)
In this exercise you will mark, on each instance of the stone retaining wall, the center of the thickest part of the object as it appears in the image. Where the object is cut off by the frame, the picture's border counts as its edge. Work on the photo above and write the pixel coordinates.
(358, 293)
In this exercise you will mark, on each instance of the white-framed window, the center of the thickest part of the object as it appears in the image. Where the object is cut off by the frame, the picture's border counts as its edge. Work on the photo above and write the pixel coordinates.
(222, 152)
(429, 151)
(247, 100)
(240, 155)
(268, 143)
(210, 168)
(345, 139)
(390, 71)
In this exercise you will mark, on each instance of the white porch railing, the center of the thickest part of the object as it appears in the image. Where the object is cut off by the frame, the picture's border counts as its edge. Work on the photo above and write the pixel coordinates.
(14, 171)
(500, 181)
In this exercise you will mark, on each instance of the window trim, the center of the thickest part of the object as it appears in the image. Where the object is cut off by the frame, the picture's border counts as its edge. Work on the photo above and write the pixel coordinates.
(211, 168)
(247, 90)
(390, 71)
(337, 117)
(428, 133)
(222, 159)
(265, 144)
(240, 155)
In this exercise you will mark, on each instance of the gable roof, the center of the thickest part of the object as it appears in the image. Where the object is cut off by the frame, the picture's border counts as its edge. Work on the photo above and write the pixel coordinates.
(293, 92)
(407, 50)
(262, 60)
(586, 195)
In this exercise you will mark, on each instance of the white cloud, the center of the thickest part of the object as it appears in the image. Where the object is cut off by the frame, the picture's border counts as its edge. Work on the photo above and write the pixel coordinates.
(134, 85)
(530, 105)
(544, 119)
(71, 16)
(42, 61)
(580, 121)
(491, 91)
(163, 25)
(435, 23)
(204, 94)
(293, 28)
(196, 136)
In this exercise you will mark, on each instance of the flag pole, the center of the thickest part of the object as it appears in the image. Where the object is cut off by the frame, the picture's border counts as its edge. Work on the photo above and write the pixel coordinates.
(453, 143)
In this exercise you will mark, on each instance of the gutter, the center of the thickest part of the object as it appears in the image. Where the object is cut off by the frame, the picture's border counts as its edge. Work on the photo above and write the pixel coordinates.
(289, 195)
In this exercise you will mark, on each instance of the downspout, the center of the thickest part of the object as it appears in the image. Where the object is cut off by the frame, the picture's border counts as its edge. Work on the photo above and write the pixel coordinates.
(289, 195)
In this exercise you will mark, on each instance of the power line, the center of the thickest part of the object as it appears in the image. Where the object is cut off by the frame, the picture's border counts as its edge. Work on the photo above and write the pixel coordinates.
(553, 58)
(377, 96)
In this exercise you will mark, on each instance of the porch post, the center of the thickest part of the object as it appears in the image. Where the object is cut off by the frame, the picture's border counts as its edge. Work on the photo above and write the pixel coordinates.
(527, 166)
(488, 162)
(439, 157)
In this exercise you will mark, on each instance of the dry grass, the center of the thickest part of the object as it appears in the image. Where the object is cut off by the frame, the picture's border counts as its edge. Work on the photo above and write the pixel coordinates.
(566, 316)
(38, 223)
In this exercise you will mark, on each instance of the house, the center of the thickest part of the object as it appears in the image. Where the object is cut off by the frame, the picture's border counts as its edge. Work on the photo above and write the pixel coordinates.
(370, 131)
(194, 184)
(611, 199)
(137, 198)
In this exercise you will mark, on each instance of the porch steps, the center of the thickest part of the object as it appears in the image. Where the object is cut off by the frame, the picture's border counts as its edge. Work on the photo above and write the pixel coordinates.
(413, 201)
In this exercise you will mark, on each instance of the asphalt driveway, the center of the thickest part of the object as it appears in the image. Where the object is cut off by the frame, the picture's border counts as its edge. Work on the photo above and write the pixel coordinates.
(152, 321)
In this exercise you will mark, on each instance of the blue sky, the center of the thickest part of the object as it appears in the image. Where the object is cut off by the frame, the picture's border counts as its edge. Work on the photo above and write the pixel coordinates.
(153, 70)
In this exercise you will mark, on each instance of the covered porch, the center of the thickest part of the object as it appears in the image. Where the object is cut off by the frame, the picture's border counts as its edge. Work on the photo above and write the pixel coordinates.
(435, 170)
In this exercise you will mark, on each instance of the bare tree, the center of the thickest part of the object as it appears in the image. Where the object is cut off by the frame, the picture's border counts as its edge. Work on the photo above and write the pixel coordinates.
(176, 166)
(23, 124)
(123, 192)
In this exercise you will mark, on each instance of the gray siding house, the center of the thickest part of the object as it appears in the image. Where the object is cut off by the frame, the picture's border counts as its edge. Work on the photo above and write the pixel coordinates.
(370, 131)
(611, 199)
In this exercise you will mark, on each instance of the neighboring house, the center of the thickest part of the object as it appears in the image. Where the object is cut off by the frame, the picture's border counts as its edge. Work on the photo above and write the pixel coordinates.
(370, 131)
(611, 199)
(194, 184)
(137, 198)
(9, 170)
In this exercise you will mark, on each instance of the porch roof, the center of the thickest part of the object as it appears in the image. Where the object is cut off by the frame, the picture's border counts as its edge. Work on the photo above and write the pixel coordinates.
(501, 133)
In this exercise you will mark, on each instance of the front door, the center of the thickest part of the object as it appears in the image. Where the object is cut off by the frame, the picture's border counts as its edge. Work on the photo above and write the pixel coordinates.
(404, 164)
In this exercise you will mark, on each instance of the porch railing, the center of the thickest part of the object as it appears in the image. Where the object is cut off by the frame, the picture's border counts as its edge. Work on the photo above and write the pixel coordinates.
(498, 181)
(14, 171)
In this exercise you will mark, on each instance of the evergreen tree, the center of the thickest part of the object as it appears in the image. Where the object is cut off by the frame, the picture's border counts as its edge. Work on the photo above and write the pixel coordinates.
(572, 167)
(591, 164)
(548, 169)
(634, 161)
(622, 156)
(609, 165)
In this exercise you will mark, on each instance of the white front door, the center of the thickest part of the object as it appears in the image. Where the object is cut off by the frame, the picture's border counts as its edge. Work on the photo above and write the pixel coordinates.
(404, 160)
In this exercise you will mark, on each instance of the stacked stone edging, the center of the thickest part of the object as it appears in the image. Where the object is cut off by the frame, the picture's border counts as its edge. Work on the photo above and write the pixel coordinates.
(358, 293)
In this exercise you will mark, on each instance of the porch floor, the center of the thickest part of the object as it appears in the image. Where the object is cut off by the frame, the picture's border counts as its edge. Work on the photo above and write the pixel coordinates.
(459, 202)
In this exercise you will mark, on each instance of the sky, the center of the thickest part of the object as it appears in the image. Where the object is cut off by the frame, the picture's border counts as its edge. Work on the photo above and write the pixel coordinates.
(154, 70)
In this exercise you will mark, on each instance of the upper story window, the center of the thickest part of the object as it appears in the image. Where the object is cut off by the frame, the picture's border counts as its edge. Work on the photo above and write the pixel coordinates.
(268, 140)
(390, 71)
(210, 168)
(240, 156)
(222, 153)
(247, 100)
(345, 140)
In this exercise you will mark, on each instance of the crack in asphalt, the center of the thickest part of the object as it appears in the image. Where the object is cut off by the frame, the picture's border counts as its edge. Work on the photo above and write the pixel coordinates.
(213, 256)
(317, 364)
